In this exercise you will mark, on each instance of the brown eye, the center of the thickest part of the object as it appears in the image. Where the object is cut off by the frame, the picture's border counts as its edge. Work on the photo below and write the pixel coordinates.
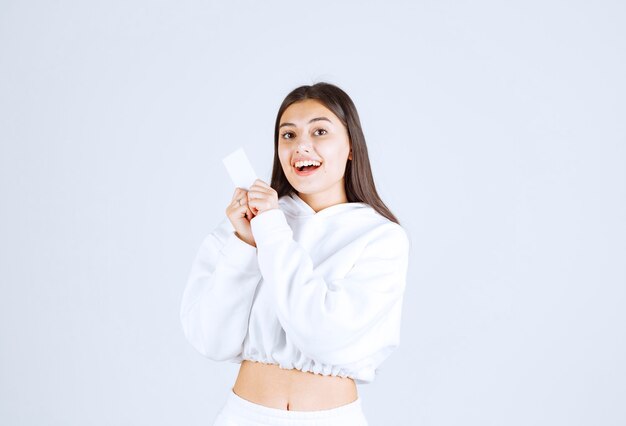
(322, 130)
(286, 133)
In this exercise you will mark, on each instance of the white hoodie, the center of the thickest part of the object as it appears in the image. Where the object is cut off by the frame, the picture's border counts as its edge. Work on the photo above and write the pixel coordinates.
(322, 292)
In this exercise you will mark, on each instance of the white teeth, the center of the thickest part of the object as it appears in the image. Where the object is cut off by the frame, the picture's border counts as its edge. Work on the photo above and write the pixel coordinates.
(307, 163)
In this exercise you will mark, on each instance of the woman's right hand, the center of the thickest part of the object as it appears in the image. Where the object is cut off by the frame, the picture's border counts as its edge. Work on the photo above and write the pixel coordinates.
(240, 216)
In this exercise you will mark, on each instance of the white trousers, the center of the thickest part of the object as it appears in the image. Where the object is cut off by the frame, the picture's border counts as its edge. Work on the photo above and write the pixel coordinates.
(241, 412)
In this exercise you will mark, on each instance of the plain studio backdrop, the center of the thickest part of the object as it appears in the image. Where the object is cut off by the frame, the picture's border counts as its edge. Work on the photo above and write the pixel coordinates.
(496, 132)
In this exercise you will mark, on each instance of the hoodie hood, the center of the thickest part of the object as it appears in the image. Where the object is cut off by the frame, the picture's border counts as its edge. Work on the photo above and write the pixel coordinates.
(294, 206)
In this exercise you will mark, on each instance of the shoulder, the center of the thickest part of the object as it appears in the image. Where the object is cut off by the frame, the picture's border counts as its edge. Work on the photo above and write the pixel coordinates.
(377, 221)
(389, 236)
(377, 230)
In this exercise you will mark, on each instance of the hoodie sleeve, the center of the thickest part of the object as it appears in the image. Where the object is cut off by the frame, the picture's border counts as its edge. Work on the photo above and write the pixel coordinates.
(217, 299)
(335, 321)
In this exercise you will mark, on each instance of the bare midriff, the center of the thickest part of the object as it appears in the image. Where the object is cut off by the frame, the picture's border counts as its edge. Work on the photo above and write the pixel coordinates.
(294, 390)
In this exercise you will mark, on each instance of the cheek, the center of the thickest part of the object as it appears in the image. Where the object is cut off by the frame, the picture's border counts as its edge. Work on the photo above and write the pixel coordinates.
(281, 152)
(283, 157)
(338, 153)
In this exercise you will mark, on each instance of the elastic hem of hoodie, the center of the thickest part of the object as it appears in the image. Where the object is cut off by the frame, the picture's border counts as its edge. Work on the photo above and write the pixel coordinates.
(365, 377)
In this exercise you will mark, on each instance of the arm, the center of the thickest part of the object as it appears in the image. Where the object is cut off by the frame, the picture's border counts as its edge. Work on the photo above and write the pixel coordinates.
(335, 321)
(218, 296)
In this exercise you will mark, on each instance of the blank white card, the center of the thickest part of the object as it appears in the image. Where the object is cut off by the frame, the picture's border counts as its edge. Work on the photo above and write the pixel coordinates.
(239, 168)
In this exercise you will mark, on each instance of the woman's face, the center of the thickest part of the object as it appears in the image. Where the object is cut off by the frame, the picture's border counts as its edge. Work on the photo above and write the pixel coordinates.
(310, 131)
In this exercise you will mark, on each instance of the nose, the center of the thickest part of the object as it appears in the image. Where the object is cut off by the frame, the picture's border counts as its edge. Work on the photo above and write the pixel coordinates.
(303, 145)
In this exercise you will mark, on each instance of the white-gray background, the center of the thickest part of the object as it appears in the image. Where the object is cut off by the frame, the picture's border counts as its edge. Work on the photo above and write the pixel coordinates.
(497, 135)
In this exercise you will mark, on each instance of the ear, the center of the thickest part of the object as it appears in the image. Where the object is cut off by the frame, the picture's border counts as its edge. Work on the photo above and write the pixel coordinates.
(350, 154)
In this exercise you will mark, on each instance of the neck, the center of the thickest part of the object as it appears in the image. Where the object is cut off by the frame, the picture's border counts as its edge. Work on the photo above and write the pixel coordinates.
(320, 200)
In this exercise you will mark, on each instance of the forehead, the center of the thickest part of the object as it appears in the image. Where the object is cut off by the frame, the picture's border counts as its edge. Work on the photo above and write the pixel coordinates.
(304, 110)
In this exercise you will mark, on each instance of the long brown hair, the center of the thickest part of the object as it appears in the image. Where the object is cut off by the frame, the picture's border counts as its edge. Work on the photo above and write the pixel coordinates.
(359, 182)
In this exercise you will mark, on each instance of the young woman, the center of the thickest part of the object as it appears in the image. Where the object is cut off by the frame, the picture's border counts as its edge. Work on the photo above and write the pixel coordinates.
(303, 281)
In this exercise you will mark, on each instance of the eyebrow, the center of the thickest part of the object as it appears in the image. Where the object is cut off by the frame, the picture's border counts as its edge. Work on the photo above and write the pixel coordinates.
(310, 121)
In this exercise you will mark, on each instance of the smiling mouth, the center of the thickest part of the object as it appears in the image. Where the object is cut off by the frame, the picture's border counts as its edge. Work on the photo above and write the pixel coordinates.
(305, 170)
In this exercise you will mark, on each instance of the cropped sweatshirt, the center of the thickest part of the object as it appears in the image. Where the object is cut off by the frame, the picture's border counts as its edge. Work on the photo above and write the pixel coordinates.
(321, 292)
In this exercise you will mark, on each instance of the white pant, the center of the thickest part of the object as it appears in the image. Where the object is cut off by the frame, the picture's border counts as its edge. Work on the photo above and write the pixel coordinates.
(241, 412)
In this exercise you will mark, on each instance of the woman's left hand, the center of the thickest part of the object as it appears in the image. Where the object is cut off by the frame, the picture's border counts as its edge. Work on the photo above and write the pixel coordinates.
(261, 197)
